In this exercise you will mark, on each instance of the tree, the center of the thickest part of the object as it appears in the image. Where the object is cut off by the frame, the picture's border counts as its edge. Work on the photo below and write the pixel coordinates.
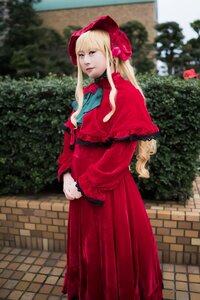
(191, 50)
(138, 37)
(196, 26)
(28, 48)
(67, 34)
(169, 44)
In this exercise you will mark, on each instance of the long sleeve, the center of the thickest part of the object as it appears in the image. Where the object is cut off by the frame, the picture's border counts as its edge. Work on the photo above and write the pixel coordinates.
(65, 158)
(107, 173)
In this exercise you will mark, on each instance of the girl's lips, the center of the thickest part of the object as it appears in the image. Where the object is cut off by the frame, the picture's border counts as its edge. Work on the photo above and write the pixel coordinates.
(88, 69)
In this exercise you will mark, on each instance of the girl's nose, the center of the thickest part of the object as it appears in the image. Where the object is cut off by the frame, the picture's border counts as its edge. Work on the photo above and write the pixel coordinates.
(86, 59)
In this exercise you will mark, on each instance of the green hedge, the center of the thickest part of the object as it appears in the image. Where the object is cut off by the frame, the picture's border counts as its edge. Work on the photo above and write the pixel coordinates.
(33, 112)
(174, 105)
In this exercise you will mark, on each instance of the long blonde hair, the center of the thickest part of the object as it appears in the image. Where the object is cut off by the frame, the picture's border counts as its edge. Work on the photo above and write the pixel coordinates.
(100, 39)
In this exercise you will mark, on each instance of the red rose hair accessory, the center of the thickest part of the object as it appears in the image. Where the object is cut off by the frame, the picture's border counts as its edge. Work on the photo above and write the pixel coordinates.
(120, 44)
(187, 74)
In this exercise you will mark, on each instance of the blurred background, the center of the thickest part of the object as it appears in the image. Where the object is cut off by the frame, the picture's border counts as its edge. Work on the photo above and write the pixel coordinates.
(165, 34)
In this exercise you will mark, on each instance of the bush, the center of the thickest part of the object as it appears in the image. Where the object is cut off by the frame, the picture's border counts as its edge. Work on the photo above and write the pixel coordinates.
(32, 116)
(175, 107)
(33, 113)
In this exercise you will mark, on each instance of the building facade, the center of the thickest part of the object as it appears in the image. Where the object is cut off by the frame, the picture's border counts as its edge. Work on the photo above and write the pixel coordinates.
(60, 14)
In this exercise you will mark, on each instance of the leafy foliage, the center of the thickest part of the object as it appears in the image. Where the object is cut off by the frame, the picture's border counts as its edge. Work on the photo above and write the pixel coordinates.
(33, 112)
(174, 106)
(174, 52)
(191, 50)
(32, 117)
(27, 48)
(196, 26)
(138, 37)
(67, 34)
(169, 45)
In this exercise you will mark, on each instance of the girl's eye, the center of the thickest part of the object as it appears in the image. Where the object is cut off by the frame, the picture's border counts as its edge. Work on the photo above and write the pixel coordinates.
(92, 52)
(80, 54)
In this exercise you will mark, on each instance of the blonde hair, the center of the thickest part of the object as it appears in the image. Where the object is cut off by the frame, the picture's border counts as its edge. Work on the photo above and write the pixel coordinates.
(100, 39)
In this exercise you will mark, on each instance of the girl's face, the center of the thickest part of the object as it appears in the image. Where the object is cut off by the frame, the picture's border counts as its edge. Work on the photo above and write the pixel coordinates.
(92, 62)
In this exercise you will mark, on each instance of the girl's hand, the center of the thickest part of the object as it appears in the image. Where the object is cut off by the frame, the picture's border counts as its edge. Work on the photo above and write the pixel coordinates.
(69, 187)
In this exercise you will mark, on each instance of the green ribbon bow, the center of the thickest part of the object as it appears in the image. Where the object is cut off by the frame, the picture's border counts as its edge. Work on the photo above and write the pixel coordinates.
(90, 101)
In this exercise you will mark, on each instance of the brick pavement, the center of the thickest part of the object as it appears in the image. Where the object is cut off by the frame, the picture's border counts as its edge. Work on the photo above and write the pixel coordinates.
(30, 274)
(27, 274)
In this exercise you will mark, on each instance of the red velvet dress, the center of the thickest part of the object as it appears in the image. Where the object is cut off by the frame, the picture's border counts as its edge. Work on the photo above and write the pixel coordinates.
(111, 250)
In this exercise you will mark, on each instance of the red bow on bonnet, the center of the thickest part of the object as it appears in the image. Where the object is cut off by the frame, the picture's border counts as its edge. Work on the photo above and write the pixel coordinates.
(120, 44)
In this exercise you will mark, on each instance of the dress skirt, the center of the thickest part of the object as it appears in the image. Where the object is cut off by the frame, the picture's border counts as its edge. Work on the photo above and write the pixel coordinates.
(111, 249)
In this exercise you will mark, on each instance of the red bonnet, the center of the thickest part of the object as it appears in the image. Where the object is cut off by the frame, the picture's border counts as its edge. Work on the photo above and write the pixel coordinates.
(120, 44)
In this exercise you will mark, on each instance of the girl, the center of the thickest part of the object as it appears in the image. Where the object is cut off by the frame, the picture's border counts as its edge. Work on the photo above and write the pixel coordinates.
(111, 250)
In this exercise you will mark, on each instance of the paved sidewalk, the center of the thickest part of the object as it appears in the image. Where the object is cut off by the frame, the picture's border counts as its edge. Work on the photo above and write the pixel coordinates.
(29, 274)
